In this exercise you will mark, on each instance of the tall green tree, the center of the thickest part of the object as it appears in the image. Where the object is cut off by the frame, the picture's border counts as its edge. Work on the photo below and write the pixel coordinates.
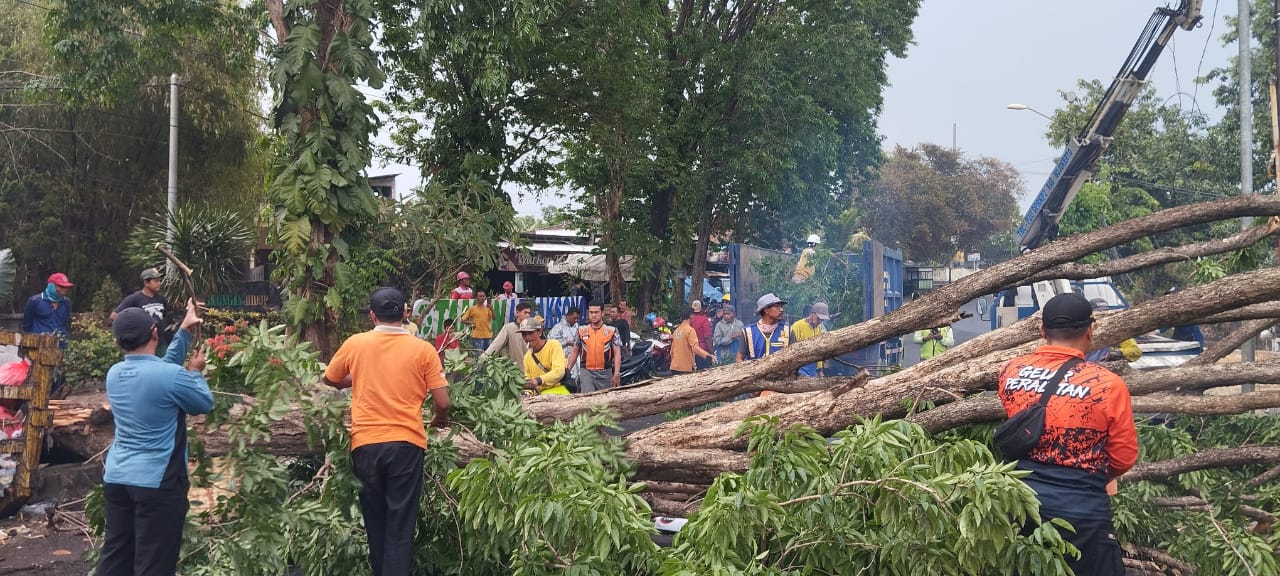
(318, 187)
(84, 116)
(932, 201)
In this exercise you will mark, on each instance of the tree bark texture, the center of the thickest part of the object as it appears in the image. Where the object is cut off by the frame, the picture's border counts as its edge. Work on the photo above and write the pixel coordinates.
(1203, 460)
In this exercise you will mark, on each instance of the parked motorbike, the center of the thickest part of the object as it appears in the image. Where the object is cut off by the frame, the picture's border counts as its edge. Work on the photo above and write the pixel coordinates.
(640, 365)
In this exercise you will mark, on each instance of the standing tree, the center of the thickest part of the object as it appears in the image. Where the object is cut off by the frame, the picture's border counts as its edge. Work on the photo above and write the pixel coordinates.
(932, 200)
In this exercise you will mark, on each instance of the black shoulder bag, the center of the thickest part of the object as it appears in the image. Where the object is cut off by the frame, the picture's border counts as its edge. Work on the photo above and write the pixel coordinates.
(566, 380)
(1022, 431)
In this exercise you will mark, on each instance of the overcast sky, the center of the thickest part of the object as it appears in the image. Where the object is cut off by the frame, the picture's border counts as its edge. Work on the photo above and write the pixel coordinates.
(971, 58)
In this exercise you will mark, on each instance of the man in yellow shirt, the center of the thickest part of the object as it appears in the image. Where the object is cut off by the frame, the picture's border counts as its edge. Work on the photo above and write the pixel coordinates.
(480, 318)
(684, 346)
(809, 327)
(544, 363)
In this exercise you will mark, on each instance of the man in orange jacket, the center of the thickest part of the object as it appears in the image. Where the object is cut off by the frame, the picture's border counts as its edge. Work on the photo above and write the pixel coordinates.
(1089, 436)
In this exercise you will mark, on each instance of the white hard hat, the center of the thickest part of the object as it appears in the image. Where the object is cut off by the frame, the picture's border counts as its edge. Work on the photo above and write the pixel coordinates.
(813, 239)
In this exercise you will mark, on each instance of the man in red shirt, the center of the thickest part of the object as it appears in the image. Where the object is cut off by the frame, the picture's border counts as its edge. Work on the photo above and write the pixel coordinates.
(463, 290)
(1089, 436)
(702, 326)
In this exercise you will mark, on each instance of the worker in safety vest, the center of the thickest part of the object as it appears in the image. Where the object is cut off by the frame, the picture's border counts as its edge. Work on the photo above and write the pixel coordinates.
(768, 334)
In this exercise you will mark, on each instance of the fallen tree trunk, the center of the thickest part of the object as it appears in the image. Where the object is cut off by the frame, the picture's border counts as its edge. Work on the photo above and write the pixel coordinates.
(691, 390)
(893, 395)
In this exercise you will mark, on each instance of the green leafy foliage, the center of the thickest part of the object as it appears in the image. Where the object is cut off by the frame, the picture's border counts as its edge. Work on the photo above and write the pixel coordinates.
(90, 353)
(880, 498)
(836, 281)
(7, 268)
(555, 499)
(317, 187)
(932, 201)
(213, 242)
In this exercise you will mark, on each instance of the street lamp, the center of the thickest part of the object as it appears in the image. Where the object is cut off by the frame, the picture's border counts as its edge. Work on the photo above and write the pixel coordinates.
(1025, 107)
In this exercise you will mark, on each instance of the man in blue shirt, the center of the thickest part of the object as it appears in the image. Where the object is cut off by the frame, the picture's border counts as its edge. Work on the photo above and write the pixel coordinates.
(49, 312)
(144, 483)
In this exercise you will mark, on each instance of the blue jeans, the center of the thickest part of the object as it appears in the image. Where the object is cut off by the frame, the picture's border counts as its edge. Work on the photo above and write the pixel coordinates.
(481, 344)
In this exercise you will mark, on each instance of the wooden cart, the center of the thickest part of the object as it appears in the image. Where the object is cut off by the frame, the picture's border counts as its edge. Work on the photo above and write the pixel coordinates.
(45, 356)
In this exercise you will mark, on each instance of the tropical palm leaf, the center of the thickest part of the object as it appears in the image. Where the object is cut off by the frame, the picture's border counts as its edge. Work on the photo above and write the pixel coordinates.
(8, 267)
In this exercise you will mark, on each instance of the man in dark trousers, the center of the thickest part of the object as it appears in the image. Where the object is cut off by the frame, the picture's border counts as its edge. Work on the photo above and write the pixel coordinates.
(149, 299)
(144, 481)
(1089, 436)
(390, 372)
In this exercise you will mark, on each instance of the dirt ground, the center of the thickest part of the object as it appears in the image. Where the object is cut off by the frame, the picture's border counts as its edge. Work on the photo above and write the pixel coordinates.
(30, 546)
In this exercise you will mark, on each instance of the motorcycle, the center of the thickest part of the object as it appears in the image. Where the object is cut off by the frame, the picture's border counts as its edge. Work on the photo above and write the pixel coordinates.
(640, 365)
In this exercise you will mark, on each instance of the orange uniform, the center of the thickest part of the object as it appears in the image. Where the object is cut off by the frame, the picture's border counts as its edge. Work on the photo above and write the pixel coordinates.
(1089, 435)
(386, 399)
(598, 346)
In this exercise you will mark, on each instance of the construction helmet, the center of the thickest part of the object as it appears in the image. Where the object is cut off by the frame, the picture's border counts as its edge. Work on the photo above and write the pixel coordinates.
(813, 239)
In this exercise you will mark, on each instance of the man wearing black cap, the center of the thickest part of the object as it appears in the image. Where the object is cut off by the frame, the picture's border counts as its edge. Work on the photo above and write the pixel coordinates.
(149, 299)
(144, 481)
(1089, 436)
(390, 373)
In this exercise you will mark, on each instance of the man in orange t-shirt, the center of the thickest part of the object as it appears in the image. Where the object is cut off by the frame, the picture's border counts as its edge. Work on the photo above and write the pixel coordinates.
(1089, 435)
(390, 373)
(685, 348)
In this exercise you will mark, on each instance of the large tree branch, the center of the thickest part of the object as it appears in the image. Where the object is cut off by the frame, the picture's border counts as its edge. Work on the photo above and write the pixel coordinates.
(1167, 255)
(1203, 460)
(988, 409)
(1257, 311)
(275, 12)
(1232, 342)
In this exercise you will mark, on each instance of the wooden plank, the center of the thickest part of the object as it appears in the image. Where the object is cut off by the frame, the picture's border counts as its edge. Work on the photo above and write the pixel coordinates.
(17, 392)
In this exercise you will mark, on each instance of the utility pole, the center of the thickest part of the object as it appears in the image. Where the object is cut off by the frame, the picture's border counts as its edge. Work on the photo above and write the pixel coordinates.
(1246, 136)
(173, 167)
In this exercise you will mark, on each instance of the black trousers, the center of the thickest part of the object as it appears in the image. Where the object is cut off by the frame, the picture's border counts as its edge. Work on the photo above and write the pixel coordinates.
(144, 530)
(390, 475)
(1100, 553)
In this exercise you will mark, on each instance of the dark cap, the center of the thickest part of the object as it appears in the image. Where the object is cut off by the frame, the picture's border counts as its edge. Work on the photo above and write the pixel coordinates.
(387, 302)
(151, 273)
(132, 328)
(1067, 311)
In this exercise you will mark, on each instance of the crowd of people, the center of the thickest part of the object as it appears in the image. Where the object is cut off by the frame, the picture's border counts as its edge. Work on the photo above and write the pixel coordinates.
(1088, 436)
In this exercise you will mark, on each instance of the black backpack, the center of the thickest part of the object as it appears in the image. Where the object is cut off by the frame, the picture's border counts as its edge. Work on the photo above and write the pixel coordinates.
(1022, 431)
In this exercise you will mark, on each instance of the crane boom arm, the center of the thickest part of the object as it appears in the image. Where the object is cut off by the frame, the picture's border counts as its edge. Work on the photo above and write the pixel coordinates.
(1079, 159)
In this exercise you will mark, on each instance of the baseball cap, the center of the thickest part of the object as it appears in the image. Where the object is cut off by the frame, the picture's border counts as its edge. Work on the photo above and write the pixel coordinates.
(530, 324)
(132, 328)
(821, 309)
(387, 302)
(462, 275)
(151, 273)
(696, 305)
(60, 279)
(1067, 311)
(766, 301)
(729, 308)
